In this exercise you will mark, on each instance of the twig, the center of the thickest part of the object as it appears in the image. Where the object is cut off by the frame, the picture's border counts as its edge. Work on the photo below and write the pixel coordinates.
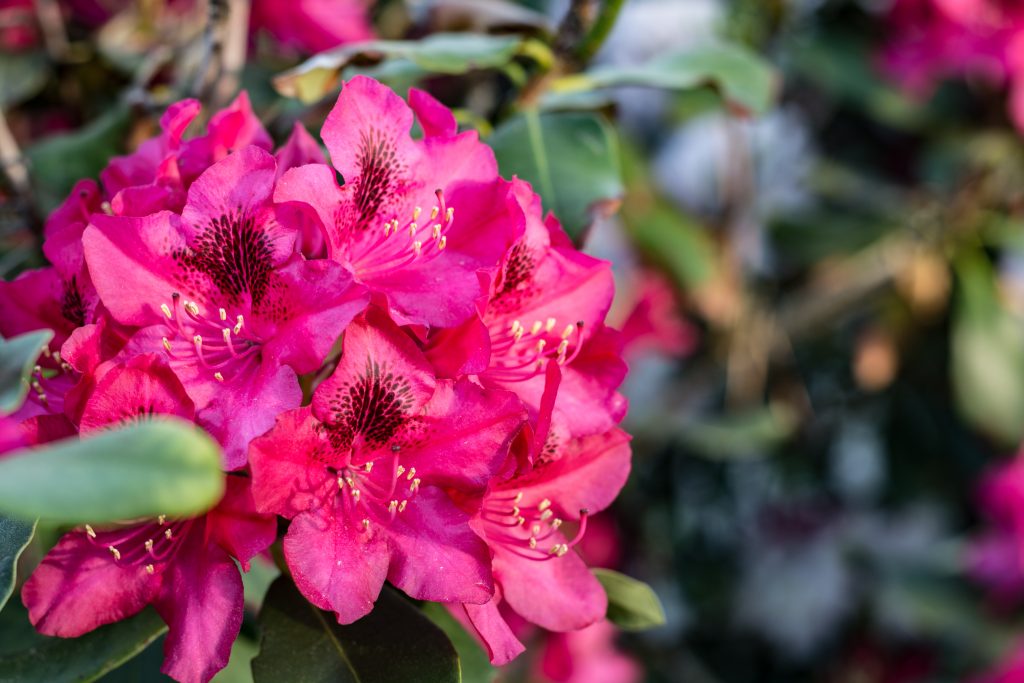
(55, 35)
(599, 31)
(11, 159)
(211, 45)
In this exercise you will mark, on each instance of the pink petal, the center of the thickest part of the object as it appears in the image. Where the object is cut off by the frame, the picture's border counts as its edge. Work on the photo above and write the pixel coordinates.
(37, 300)
(435, 118)
(335, 563)
(236, 526)
(435, 554)
(201, 602)
(288, 472)
(300, 149)
(143, 386)
(502, 644)
(79, 587)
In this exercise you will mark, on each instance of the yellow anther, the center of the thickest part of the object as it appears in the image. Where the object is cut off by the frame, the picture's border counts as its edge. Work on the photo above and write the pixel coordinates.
(219, 377)
(368, 467)
(168, 534)
(535, 529)
(350, 481)
(416, 213)
(392, 506)
(355, 495)
(161, 519)
(540, 345)
(555, 548)
(387, 228)
(400, 471)
(433, 212)
(412, 473)
(563, 346)
(89, 530)
(226, 333)
(149, 545)
(240, 322)
(569, 329)
(413, 228)
(341, 483)
(366, 524)
(437, 230)
(167, 344)
(549, 324)
(562, 549)
(167, 311)
(515, 510)
(544, 505)
(518, 498)
(521, 521)
(115, 552)
(449, 214)
(555, 523)
(533, 542)
(223, 314)
(515, 326)
(417, 246)
(198, 340)
(535, 328)
(150, 569)
(442, 243)
(415, 485)
(192, 308)
(546, 515)
(401, 506)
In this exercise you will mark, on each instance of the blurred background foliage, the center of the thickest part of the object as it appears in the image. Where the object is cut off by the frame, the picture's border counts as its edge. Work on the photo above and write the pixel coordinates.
(829, 272)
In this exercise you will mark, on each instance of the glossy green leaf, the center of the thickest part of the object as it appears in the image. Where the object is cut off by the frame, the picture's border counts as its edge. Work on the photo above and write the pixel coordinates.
(22, 75)
(632, 605)
(395, 642)
(14, 537)
(159, 467)
(476, 666)
(443, 53)
(987, 354)
(18, 355)
(571, 159)
(742, 78)
(27, 657)
(58, 162)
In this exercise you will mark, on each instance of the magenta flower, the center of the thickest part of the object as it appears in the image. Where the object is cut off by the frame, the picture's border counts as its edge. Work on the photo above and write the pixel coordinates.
(548, 303)
(220, 290)
(365, 472)
(417, 221)
(587, 656)
(312, 25)
(184, 567)
(538, 573)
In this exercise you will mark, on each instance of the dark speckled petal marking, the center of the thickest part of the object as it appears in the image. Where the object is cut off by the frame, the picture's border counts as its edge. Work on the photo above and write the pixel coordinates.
(235, 253)
(373, 405)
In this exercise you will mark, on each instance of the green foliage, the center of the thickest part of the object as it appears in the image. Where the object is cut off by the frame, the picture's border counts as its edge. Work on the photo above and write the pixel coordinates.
(571, 159)
(18, 357)
(145, 470)
(632, 605)
(476, 666)
(15, 535)
(22, 75)
(27, 657)
(395, 642)
(743, 79)
(440, 53)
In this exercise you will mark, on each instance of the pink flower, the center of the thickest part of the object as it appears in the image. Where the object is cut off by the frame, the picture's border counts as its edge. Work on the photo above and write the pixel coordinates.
(539, 575)
(220, 290)
(365, 471)
(17, 26)
(548, 302)
(936, 39)
(654, 322)
(587, 656)
(183, 567)
(417, 221)
(1011, 670)
(312, 25)
(996, 559)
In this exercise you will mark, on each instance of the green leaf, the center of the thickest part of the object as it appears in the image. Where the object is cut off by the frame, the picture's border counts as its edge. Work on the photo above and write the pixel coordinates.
(743, 79)
(395, 642)
(632, 605)
(18, 355)
(442, 53)
(27, 657)
(476, 666)
(158, 467)
(22, 75)
(59, 161)
(987, 354)
(571, 159)
(14, 537)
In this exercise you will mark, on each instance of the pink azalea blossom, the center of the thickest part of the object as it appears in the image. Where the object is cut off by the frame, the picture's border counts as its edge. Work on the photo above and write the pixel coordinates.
(936, 39)
(419, 222)
(220, 290)
(587, 656)
(548, 302)
(183, 567)
(312, 25)
(996, 559)
(560, 480)
(364, 474)
(1011, 670)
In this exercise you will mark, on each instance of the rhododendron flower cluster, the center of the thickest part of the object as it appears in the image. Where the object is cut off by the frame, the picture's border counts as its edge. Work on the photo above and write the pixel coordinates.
(399, 353)
(935, 39)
